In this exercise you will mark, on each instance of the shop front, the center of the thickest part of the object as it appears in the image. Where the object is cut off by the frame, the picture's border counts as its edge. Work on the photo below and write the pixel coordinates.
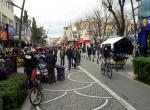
(144, 36)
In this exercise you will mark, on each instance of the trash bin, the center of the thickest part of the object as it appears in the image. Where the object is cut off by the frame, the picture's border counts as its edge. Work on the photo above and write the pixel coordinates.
(60, 73)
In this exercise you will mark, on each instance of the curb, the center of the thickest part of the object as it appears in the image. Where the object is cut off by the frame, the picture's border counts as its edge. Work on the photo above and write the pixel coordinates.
(26, 105)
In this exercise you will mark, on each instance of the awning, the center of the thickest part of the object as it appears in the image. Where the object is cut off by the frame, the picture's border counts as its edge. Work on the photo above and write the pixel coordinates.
(84, 41)
(112, 40)
(81, 42)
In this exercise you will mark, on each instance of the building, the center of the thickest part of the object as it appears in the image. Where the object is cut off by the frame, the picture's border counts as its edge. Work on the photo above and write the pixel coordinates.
(6, 22)
(89, 29)
(25, 33)
(144, 27)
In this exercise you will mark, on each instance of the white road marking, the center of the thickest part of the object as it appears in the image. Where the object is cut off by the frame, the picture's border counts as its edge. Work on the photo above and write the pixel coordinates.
(37, 108)
(69, 77)
(55, 98)
(102, 106)
(91, 96)
(122, 101)
(68, 90)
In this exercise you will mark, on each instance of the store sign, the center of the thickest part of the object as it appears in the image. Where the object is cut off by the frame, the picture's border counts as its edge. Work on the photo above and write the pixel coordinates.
(109, 27)
(144, 22)
(10, 32)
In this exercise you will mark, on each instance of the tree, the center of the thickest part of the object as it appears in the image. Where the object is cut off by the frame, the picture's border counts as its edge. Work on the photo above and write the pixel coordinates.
(25, 18)
(34, 31)
(120, 23)
(98, 23)
(41, 36)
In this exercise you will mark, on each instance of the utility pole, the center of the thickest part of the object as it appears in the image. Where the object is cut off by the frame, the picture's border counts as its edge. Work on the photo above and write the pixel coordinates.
(21, 15)
(20, 28)
(133, 19)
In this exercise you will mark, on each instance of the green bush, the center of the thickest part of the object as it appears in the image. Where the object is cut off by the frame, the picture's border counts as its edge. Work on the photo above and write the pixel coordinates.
(13, 91)
(142, 68)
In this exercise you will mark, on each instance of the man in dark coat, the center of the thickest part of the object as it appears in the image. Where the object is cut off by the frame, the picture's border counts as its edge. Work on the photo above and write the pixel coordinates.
(62, 56)
(51, 62)
(29, 65)
(69, 54)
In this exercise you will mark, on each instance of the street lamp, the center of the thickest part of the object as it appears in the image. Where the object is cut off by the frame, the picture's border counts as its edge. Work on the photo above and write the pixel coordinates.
(133, 9)
(133, 19)
(21, 15)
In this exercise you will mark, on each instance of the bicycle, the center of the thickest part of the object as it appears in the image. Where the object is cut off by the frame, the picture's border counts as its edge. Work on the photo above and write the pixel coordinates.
(106, 67)
(35, 95)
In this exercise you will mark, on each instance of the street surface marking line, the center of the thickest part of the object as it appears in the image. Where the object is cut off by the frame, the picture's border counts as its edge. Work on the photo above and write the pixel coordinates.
(69, 77)
(91, 95)
(37, 108)
(102, 106)
(55, 98)
(122, 101)
(70, 89)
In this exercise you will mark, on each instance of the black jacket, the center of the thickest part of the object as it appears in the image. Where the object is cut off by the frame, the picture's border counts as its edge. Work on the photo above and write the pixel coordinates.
(51, 62)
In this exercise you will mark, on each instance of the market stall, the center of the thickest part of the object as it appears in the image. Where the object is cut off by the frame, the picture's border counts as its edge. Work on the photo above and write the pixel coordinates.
(121, 47)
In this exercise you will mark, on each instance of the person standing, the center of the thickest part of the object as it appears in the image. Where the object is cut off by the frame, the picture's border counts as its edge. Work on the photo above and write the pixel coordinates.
(51, 62)
(69, 56)
(89, 53)
(75, 55)
(62, 56)
(55, 53)
(29, 65)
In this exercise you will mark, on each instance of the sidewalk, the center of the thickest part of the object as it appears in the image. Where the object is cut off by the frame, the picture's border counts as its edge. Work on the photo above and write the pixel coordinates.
(78, 89)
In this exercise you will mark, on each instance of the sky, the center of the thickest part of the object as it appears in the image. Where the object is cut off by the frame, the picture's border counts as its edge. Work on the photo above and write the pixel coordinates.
(56, 14)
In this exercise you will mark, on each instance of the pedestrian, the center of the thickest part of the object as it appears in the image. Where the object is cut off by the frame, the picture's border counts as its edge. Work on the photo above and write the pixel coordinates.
(51, 62)
(75, 55)
(84, 51)
(78, 57)
(29, 65)
(62, 56)
(69, 56)
(89, 53)
(55, 53)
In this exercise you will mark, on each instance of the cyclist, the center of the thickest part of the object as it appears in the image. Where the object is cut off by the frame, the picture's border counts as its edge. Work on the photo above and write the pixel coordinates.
(106, 49)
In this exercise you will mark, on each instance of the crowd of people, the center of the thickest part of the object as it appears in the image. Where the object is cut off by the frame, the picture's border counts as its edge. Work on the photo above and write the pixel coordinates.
(48, 56)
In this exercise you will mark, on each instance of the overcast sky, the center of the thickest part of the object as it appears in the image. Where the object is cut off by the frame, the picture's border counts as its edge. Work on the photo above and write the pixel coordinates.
(55, 14)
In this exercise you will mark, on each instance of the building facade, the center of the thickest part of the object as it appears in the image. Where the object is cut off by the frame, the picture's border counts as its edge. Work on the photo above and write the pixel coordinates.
(6, 21)
(144, 27)
(25, 33)
(89, 30)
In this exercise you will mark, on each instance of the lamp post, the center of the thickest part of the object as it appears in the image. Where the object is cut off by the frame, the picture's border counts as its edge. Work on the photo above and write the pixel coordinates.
(21, 15)
(133, 19)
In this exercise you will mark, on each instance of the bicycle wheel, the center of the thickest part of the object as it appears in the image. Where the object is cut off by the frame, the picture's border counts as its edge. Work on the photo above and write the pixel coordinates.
(109, 71)
(102, 68)
(35, 96)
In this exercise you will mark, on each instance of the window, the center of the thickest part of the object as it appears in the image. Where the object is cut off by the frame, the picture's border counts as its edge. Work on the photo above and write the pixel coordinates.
(10, 22)
(4, 19)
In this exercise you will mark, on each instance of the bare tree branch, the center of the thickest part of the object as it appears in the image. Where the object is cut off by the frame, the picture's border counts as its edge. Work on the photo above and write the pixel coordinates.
(120, 24)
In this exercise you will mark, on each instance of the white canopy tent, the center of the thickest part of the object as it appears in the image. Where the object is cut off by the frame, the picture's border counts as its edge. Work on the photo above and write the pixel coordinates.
(111, 41)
